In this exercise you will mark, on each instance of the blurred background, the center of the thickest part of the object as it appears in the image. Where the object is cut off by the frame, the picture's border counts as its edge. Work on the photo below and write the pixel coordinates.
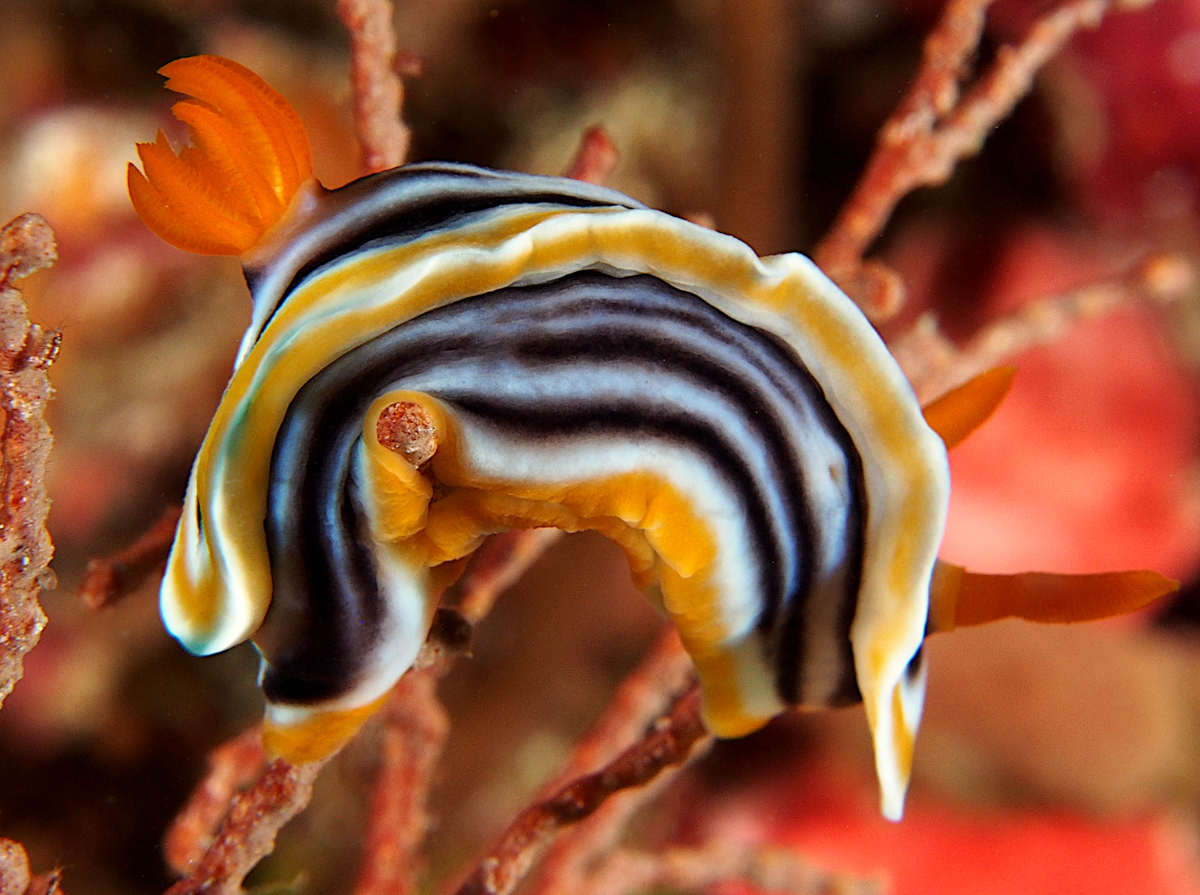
(1052, 760)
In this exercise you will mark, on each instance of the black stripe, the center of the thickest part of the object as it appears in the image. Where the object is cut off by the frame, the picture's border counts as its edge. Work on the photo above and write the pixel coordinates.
(401, 204)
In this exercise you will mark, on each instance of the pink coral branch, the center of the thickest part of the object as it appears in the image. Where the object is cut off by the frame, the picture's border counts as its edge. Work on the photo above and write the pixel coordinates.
(771, 869)
(415, 727)
(248, 832)
(934, 364)
(109, 579)
(596, 157)
(501, 562)
(670, 742)
(642, 696)
(933, 128)
(378, 90)
(232, 766)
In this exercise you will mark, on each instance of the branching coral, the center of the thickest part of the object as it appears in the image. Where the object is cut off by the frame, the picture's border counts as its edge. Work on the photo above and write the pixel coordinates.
(669, 742)
(934, 364)
(937, 124)
(578, 821)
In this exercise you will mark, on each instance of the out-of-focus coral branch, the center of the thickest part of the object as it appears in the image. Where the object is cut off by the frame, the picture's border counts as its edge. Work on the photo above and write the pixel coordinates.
(414, 730)
(232, 766)
(26, 245)
(642, 697)
(378, 90)
(575, 853)
(935, 126)
(415, 725)
(596, 157)
(48, 883)
(626, 872)
(501, 562)
(671, 741)
(248, 832)
(934, 364)
(107, 580)
(15, 878)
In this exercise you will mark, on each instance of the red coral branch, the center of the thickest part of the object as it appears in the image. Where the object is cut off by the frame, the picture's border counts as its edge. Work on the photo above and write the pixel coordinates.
(642, 697)
(232, 766)
(248, 833)
(501, 562)
(378, 90)
(934, 127)
(596, 157)
(415, 729)
(671, 741)
(934, 364)
(108, 580)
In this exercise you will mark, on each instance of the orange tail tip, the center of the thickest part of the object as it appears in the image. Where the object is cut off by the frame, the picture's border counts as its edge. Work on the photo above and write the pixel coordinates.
(249, 156)
(970, 598)
(961, 411)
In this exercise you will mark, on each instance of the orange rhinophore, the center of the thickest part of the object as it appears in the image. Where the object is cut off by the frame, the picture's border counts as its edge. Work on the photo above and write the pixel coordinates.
(248, 157)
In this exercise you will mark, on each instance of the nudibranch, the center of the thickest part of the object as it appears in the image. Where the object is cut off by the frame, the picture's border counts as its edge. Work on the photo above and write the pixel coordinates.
(572, 360)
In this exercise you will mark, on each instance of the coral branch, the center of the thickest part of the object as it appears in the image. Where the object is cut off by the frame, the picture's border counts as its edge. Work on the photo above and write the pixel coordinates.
(108, 580)
(48, 883)
(933, 128)
(415, 729)
(14, 868)
(596, 158)
(248, 833)
(26, 245)
(761, 52)
(575, 853)
(642, 696)
(934, 364)
(771, 869)
(415, 726)
(671, 741)
(15, 878)
(499, 564)
(378, 90)
(232, 766)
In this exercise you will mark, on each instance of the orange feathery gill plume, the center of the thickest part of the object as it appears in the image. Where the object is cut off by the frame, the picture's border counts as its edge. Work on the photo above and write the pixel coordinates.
(248, 157)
